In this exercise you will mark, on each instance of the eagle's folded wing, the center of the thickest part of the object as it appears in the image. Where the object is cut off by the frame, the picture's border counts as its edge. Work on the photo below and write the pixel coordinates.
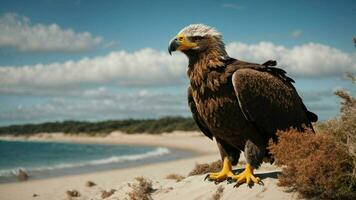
(269, 101)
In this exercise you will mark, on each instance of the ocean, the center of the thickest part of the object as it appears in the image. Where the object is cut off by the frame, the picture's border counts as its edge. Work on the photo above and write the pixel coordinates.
(50, 159)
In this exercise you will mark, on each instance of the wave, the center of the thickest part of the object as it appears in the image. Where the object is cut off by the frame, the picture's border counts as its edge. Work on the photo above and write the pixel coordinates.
(110, 160)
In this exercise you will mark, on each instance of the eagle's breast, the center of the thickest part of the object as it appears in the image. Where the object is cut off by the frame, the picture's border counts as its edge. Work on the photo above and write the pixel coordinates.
(216, 102)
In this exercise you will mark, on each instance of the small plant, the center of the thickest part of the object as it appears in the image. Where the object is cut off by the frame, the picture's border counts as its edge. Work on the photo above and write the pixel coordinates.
(90, 184)
(141, 190)
(343, 128)
(105, 194)
(22, 175)
(199, 169)
(73, 193)
(314, 165)
(218, 193)
(176, 177)
(322, 165)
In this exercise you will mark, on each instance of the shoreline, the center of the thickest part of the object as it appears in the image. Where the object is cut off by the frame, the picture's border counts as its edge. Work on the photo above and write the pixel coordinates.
(177, 151)
(69, 168)
(191, 187)
(174, 140)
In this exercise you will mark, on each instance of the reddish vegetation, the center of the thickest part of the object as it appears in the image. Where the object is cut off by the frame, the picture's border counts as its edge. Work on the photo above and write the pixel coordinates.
(141, 190)
(105, 194)
(176, 177)
(321, 165)
(73, 193)
(90, 184)
(199, 169)
(218, 193)
(315, 165)
(22, 175)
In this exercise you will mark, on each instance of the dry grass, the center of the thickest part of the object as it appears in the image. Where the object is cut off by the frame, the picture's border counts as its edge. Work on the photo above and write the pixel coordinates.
(314, 165)
(343, 128)
(218, 193)
(105, 194)
(72, 193)
(22, 175)
(90, 184)
(242, 162)
(176, 177)
(141, 190)
(199, 169)
(322, 165)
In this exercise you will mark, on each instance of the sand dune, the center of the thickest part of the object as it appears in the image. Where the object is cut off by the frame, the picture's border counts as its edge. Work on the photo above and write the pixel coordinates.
(193, 187)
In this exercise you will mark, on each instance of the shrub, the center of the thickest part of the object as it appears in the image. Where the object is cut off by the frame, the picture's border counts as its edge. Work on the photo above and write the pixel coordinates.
(176, 177)
(199, 169)
(218, 193)
(321, 165)
(141, 190)
(90, 184)
(314, 165)
(343, 128)
(72, 193)
(105, 194)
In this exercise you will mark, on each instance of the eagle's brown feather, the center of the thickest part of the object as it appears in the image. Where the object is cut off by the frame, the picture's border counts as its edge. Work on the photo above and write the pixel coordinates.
(242, 104)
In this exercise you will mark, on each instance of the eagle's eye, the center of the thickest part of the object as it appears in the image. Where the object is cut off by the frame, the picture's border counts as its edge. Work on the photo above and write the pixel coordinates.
(195, 38)
(180, 38)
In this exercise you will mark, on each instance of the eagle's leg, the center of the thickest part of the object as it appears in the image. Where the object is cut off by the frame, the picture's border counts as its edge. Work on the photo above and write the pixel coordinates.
(246, 176)
(254, 155)
(224, 174)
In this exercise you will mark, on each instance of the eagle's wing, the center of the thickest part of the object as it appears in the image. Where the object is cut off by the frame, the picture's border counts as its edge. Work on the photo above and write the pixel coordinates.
(268, 99)
(201, 124)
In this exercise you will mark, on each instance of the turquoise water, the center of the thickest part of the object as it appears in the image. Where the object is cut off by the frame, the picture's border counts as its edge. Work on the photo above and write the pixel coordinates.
(48, 159)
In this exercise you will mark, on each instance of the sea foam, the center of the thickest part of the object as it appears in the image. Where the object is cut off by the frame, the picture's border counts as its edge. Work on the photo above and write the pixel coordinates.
(110, 160)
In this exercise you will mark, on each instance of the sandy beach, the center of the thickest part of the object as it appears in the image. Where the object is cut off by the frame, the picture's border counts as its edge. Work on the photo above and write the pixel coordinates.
(192, 187)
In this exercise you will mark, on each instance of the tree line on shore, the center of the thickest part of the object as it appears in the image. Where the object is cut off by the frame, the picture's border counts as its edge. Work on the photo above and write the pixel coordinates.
(152, 126)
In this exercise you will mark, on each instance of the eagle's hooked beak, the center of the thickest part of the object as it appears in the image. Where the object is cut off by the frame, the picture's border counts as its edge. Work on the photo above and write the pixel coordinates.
(180, 42)
(173, 45)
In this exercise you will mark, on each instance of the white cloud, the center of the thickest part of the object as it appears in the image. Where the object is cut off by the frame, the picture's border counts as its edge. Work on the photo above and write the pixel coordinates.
(141, 68)
(307, 60)
(148, 67)
(296, 33)
(141, 104)
(18, 32)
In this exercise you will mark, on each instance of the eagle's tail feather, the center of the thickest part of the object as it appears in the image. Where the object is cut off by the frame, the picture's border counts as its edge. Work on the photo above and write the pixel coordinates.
(312, 116)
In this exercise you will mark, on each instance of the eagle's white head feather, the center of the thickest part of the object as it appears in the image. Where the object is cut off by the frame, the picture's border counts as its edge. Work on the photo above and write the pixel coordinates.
(199, 30)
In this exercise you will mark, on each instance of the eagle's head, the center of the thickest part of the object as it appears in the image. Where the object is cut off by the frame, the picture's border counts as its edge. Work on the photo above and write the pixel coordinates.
(195, 39)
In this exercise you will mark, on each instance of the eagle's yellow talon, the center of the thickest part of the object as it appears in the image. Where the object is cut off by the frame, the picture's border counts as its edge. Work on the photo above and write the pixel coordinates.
(213, 174)
(224, 174)
(246, 176)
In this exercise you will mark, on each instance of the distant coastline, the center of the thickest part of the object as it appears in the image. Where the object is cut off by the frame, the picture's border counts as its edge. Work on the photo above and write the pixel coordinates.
(173, 142)
(174, 139)
(129, 126)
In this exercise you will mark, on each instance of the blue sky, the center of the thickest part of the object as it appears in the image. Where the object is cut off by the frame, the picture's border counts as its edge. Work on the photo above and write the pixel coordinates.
(95, 60)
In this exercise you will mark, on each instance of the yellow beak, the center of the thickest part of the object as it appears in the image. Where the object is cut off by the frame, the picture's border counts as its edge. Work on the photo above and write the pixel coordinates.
(181, 43)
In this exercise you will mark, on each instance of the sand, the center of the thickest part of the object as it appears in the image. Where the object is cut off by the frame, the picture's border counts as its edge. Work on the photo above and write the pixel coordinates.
(193, 187)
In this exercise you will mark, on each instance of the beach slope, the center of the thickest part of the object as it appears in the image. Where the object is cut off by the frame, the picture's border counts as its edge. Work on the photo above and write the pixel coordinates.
(119, 181)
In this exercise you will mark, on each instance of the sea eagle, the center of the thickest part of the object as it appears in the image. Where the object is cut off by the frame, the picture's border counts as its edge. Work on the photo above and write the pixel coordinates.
(240, 104)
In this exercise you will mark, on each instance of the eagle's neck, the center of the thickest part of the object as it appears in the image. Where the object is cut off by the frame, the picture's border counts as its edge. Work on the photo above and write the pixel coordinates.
(204, 62)
(209, 55)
